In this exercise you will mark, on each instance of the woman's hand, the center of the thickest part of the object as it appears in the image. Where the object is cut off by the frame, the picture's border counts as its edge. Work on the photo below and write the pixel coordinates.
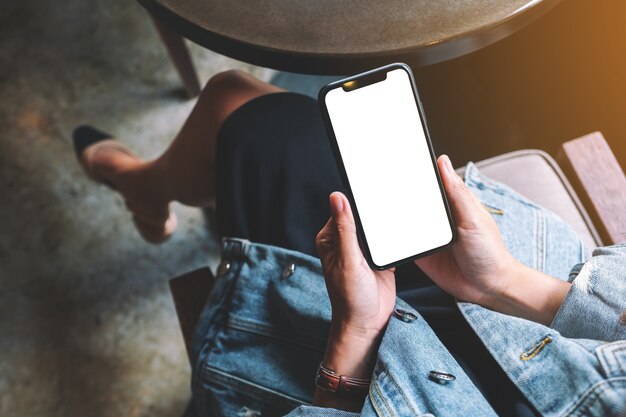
(361, 300)
(480, 269)
(477, 266)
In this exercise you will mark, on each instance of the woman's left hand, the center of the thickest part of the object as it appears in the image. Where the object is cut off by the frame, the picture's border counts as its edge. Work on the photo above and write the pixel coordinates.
(362, 299)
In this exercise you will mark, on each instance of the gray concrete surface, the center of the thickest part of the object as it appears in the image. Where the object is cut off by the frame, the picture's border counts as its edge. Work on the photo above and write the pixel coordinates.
(87, 325)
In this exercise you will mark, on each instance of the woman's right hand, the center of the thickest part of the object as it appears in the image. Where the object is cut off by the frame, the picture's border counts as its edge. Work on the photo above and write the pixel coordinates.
(479, 269)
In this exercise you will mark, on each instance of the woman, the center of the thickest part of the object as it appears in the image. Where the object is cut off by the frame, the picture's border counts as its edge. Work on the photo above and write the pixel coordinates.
(529, 336)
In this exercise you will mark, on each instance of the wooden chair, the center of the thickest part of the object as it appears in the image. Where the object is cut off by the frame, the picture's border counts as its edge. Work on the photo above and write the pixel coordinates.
(596, 207)
(599, 181)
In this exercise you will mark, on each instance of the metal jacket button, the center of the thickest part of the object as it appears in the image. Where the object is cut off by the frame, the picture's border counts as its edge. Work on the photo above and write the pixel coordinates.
(289, 269)
(405, 316)
(441, 377)
(223, 268)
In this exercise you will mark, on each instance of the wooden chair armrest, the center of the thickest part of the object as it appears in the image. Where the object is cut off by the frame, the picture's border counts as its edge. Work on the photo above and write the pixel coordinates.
(599, 181)
(190, 293)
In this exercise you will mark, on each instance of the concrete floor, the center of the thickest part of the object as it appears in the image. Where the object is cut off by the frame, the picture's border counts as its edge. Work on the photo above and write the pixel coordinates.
(87, 324)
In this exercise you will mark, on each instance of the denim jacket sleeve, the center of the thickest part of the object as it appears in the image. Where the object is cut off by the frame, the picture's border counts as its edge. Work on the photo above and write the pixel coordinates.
(595, 307)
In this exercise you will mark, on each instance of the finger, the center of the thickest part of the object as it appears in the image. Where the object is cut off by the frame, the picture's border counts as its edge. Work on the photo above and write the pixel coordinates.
(325, 239)
(465, 206)
(345, 229)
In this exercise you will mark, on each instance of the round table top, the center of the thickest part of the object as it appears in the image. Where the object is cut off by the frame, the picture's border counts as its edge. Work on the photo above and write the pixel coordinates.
(336, 36)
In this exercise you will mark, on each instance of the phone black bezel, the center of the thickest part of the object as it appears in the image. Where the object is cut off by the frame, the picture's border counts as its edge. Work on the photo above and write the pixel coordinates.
(344, 177)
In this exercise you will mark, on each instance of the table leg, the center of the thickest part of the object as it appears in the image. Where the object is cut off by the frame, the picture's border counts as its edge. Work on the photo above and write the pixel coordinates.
(179, 55)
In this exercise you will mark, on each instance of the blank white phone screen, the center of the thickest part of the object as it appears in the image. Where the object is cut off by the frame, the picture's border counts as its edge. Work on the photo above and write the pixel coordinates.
(386, 157)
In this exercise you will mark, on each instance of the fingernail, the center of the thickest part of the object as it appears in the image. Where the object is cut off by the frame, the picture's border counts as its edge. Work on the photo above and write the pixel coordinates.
(447, 164)
(337, 204)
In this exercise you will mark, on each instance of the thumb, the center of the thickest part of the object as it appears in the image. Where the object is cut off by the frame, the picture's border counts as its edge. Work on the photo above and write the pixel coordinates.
(345, 229)
(465, 206)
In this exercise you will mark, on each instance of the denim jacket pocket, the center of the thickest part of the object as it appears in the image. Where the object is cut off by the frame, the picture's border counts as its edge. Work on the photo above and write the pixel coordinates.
(259, 353)
(388, 399)
(303, 338)
(612, 357)
(606, 397)
(241, 397)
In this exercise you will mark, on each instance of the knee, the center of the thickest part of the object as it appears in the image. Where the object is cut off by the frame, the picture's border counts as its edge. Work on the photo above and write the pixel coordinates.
(226, 83)
(228, 90)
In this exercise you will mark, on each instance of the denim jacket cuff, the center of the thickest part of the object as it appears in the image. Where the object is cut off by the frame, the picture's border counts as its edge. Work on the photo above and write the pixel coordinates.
(593, 308)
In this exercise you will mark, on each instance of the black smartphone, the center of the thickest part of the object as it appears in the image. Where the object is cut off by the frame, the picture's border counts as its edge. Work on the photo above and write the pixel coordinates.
(378, 133)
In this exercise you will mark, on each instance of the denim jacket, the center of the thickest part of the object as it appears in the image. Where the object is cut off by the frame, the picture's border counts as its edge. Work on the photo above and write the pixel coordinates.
(262, 333)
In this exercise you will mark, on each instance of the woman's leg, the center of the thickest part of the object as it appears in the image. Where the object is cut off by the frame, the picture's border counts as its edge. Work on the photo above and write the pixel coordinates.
(186, 171)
